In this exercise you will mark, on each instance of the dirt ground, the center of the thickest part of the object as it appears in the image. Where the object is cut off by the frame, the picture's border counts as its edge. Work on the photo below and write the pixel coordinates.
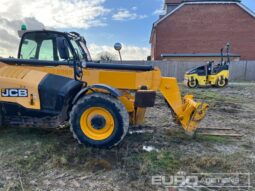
(34, 159)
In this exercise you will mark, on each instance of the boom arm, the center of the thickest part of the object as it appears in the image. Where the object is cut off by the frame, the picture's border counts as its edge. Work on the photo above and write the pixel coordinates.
(188, 112)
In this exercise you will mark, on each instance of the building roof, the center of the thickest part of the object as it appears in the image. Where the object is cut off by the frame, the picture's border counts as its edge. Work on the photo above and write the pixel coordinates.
(198, 55)
(173, 1)
(196, 2)
(199, 2)
(182, 1)
(239, 1)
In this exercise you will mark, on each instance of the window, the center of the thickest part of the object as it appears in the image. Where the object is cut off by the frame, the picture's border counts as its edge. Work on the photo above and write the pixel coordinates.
(78, 49)
(46, 50)
(42, 46)
(28, 50)
(70, 55)
(83, 45)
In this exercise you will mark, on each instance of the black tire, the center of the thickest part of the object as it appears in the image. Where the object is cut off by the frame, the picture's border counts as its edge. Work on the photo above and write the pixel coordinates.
(118, 113)
(1, 118)
(193, 83)
(221, 82)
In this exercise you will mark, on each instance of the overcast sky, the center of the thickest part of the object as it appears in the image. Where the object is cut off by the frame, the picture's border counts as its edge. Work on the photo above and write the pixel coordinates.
(102, 22)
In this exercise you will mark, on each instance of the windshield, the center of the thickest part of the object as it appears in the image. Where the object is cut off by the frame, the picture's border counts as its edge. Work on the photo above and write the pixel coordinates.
(86, 50)
(79, 45)
(78, 49)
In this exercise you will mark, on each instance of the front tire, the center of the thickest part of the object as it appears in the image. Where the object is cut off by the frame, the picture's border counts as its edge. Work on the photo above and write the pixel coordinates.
(222, 82)
(99, 120)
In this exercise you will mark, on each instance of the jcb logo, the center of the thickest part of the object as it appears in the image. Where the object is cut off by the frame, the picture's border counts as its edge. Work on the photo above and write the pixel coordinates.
(14, 93)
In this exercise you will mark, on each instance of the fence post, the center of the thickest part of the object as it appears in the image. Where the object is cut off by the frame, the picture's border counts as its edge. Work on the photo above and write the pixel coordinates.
(245, 71)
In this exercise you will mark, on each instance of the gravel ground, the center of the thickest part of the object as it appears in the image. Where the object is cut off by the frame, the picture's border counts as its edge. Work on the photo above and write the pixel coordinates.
(34, 159)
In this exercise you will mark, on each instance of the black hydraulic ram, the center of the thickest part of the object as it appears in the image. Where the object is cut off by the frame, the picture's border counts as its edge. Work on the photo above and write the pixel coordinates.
(93, 65)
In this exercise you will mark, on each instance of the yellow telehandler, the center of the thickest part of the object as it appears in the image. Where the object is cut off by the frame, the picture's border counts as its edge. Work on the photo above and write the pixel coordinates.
(54, 80)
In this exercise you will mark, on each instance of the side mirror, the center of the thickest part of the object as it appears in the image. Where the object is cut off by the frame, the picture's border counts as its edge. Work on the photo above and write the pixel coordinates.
(62, 45)
(117, 46)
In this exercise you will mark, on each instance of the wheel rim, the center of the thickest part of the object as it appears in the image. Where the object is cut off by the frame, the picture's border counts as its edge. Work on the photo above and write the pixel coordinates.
(97, 123)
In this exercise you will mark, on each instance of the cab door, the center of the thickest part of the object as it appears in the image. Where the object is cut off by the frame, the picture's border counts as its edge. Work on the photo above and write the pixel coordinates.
(42, 46)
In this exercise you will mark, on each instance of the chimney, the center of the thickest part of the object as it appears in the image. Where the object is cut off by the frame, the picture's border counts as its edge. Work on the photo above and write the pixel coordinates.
(171, 5)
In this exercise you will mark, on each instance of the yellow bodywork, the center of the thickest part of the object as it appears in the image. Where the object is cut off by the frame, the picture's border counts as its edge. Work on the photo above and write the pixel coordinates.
(203, 81)
(16, 77)
(188, 112)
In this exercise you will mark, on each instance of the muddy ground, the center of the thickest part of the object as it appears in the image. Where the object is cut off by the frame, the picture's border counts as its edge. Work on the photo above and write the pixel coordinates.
(34, 159)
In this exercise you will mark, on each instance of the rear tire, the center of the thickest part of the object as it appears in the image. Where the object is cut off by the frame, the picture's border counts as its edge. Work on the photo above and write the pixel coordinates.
(1, 120)
(193, 83)
(1, 117)
(99, 120)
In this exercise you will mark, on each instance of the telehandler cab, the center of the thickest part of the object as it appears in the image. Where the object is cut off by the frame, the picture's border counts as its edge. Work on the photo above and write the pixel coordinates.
(211, 74)
(54, 80)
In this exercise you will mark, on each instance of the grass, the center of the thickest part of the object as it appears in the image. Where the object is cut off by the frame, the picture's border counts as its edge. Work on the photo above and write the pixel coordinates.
(181, 136)
(32, 149)
(153, 162)
(169, 163)
(212, 164)
(215, 139)
(211, 95)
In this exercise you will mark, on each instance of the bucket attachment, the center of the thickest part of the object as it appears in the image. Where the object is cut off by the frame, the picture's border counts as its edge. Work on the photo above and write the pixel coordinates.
(193, 113)
(187, 112)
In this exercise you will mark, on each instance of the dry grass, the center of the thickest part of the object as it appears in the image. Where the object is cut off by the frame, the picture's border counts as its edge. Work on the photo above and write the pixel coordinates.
(36, 154)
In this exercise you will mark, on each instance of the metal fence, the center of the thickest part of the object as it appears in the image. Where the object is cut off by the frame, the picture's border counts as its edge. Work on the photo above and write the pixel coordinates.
(239, 71)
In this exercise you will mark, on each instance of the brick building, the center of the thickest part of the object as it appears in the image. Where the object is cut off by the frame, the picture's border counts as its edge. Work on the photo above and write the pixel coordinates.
(197, 30)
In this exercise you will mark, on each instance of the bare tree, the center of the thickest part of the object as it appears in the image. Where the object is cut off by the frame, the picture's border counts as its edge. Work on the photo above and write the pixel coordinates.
(106, 56)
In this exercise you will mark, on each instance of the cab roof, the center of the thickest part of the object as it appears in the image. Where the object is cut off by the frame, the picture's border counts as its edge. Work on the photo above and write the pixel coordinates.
(69, 34)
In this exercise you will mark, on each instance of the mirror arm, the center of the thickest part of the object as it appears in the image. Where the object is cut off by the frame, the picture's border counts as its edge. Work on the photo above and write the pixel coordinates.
(120, 56)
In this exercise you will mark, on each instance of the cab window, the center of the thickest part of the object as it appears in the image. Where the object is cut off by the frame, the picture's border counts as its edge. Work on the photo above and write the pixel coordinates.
(78, 49)
(87, 54)
(28, 49)
(41, 46)
(46, 50)
(201, 71)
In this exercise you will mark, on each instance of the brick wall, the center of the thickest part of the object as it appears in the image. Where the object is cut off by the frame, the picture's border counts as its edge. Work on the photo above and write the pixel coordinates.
(205, 28)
